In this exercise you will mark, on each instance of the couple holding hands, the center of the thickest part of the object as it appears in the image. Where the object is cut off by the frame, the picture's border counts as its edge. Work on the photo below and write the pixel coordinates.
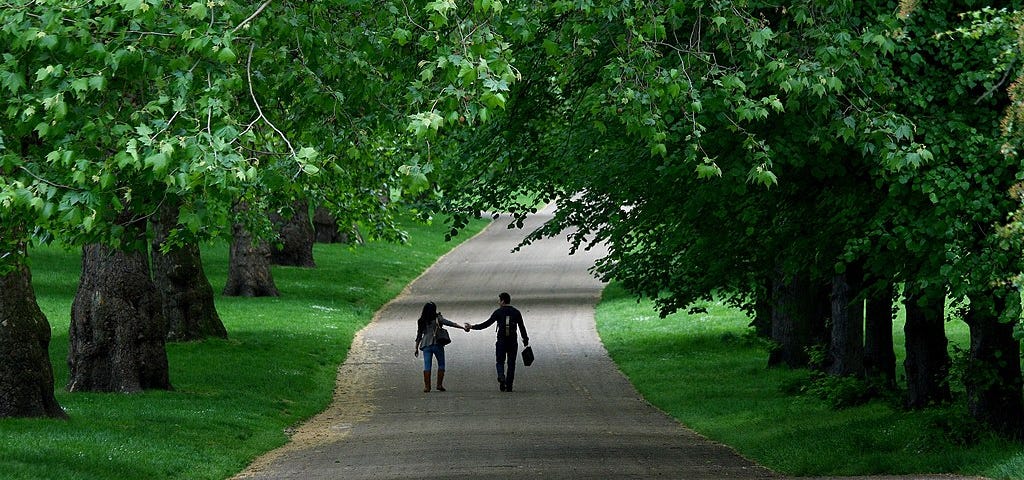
(508, 320)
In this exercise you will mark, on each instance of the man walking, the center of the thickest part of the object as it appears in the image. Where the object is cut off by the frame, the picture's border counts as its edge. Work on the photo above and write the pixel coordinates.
(506, 348)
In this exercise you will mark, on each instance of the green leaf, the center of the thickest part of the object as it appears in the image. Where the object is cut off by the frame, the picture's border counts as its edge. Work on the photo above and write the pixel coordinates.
(158, 162)
(80, 84)
(904, 132)
(14, 81)
(402, 36)
(551, 48)
(130, 5)
(97, 82)
(708, 170)
(226, 55)
(763, 176)
(673, 90)
(197, 10)
(425, 122)
(493, 100)
(106, 180)
(44, 73)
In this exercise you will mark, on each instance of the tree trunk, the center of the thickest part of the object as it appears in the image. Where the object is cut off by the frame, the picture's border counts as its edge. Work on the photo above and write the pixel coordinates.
(249, 267)
(326, 227)
(927, 363)
(188, 304)
(117, 325)
(26, 374)
(879, 351)
(762, 321)
(794, 315)
(297, 237)
(846, 348)
(993, 379)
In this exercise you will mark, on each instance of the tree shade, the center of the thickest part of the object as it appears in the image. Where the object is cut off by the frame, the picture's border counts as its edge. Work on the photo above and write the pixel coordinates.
(771, 154)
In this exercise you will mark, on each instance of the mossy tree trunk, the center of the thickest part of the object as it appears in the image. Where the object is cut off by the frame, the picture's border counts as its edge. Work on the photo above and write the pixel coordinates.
(188, 302)
(994, 384)
(296, 236)
(117, 325)
(879, 351)
(927, 363)
(846, 347)
(26, 374)
(762, 310)
(249, 272)
(797, 320)
(326, 227)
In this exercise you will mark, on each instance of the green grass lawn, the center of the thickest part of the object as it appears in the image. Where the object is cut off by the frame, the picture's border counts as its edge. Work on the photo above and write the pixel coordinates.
(233, 399)
(706, 372)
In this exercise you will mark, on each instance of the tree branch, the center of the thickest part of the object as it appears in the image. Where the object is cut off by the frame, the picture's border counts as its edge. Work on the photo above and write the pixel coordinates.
(1006, 75)
(250, 17)
(252, 94)
(43, 180)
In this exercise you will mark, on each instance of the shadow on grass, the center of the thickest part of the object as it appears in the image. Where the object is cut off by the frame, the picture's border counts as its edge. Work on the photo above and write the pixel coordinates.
(703, 370)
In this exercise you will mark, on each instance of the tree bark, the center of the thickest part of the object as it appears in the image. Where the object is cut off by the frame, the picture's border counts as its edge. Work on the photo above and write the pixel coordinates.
(117, 325)
(794, 315)
(26, 374)
(297, 238)
(762, 321)
(249, 267)
(993, 380)
(188, 303)
(846, 348)
(879, 351)
(326, 227)
(927, 363)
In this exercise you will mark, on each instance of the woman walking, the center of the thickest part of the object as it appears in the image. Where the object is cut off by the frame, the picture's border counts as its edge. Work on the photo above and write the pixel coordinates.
(431, 338)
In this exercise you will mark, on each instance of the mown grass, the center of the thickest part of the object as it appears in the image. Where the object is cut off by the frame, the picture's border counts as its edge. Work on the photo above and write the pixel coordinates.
(233, 399)
(705, 371)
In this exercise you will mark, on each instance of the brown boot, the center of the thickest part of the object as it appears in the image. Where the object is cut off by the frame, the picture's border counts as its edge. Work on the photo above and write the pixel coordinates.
(440, 380)
(426, 381)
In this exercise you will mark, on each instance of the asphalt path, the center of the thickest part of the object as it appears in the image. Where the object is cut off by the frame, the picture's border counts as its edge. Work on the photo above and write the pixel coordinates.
(572, 415)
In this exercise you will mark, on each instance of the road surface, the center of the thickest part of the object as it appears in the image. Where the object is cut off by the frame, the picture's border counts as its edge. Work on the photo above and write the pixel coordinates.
(572, 415)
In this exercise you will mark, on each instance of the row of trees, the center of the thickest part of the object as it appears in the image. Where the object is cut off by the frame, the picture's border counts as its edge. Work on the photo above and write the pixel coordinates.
(136, 129)
(816, 163)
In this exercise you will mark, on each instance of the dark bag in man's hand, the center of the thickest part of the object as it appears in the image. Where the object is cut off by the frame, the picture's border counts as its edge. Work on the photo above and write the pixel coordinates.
(527, 356)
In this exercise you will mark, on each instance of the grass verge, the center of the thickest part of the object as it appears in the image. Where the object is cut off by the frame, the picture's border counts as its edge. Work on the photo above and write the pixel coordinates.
(705, 371)
(233, 399)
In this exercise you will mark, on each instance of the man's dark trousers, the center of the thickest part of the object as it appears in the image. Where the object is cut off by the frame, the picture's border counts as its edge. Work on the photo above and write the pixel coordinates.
(505, 352)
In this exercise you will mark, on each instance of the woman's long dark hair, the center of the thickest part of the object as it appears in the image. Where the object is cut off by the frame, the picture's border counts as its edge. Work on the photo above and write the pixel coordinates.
(429, 312)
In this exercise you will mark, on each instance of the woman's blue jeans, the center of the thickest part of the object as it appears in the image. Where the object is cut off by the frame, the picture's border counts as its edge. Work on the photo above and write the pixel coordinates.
(430, 352)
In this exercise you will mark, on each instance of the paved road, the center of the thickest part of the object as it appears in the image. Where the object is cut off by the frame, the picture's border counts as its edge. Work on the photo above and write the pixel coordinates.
(573, 415)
